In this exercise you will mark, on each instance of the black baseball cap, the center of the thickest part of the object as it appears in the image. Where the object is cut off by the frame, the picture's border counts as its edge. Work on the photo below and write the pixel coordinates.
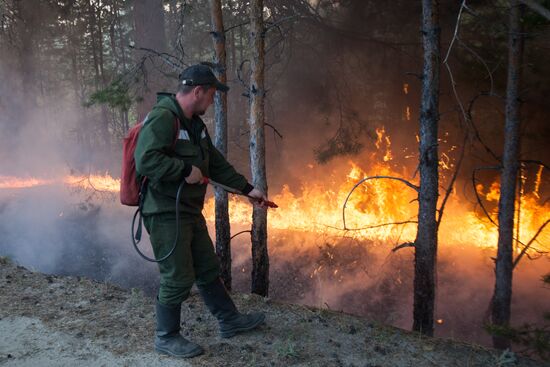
(201, 75)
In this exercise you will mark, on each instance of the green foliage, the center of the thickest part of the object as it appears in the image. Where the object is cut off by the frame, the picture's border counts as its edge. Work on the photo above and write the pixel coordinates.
(287, 349)
(115, 95)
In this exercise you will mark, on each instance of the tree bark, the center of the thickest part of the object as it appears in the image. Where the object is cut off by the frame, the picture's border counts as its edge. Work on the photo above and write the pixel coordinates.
(260, 259)
(27, 27)
(149, 33)
(104, 125)
(223, 229)
(426, 238)
(502, 297)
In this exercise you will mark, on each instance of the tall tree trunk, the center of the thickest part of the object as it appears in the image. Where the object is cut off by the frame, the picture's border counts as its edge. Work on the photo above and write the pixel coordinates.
(26, 91)
(106, 135)
(223, 229)
(82, 128)
(121, 41)
(113, 24)
(426, 237)
(149, 33)
(260, 259)
(502, 296)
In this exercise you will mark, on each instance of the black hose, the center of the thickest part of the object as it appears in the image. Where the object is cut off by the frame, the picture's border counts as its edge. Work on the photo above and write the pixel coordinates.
(135, 243)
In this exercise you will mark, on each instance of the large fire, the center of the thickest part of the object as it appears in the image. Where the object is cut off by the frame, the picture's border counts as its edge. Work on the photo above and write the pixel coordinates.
(385, 210)
(379, 209)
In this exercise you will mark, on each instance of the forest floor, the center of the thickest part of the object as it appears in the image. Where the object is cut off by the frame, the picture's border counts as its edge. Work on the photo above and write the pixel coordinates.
(48, 320)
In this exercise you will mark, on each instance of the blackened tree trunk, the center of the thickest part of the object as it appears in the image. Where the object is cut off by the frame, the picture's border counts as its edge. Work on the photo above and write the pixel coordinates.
(426, 238)
(506, 207)
(223, 229)
(149, 33)
(260, 259)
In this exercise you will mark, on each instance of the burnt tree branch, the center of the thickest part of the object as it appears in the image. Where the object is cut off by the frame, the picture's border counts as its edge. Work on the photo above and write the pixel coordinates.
(414, 187)
(528, 245)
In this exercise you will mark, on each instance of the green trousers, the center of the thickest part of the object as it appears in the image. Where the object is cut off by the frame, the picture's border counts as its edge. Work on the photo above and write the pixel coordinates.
(194, 258)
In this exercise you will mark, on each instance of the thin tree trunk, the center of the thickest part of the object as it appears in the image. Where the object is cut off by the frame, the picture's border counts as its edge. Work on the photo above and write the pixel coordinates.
(502, 297)
(106, 135)
(121, 41)
(28, 14)
(149, 33)
(260, 259)
(112, 37)
(426, 238)
(223, 229)
(82, 127)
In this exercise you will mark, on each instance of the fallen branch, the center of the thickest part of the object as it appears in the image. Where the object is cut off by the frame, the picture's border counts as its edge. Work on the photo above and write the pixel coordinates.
(374, 226)
(538, 8)
(403, 245)
(241, 232)
(451, 184)
(414, 187)
(526, 247)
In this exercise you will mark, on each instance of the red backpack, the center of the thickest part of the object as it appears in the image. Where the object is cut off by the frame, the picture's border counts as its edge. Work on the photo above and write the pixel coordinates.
(129, 184)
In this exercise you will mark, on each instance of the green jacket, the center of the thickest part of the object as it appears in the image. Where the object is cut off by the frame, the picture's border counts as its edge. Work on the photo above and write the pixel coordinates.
(166, 164)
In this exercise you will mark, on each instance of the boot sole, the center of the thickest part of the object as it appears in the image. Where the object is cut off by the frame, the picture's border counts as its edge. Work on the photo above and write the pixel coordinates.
(232, 332)
(193, 353)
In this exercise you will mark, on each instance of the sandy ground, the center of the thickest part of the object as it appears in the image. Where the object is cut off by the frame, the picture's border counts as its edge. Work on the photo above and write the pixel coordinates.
(28, 342)
(47, 320)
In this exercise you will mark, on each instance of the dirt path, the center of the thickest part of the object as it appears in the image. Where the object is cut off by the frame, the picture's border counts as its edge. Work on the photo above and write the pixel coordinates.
(48, 320)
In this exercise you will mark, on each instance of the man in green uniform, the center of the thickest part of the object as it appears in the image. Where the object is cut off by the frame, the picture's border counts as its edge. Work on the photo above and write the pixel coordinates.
(167, 156)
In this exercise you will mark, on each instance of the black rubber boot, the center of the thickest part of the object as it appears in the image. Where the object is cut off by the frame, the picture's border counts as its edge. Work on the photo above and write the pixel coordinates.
(168, 339)
(221, 305)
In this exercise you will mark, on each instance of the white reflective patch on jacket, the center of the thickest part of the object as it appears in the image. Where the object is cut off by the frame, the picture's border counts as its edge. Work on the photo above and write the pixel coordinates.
(203, 134)
(184, 135)
(146, 119)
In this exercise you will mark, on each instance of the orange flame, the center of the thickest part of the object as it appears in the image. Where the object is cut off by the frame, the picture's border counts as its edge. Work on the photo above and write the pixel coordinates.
(371, 213)
(10, 182)
(317, 208)
(93, 182)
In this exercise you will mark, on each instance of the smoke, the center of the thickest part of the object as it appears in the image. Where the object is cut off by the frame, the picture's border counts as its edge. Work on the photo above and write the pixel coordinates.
(366, 278)
(331, 82)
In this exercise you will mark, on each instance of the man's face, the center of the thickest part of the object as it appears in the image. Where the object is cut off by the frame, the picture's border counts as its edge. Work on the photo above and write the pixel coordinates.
(204, 99)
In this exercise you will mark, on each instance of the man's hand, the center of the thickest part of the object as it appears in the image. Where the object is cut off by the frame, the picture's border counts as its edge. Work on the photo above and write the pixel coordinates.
(257, 197)
(194, 177)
